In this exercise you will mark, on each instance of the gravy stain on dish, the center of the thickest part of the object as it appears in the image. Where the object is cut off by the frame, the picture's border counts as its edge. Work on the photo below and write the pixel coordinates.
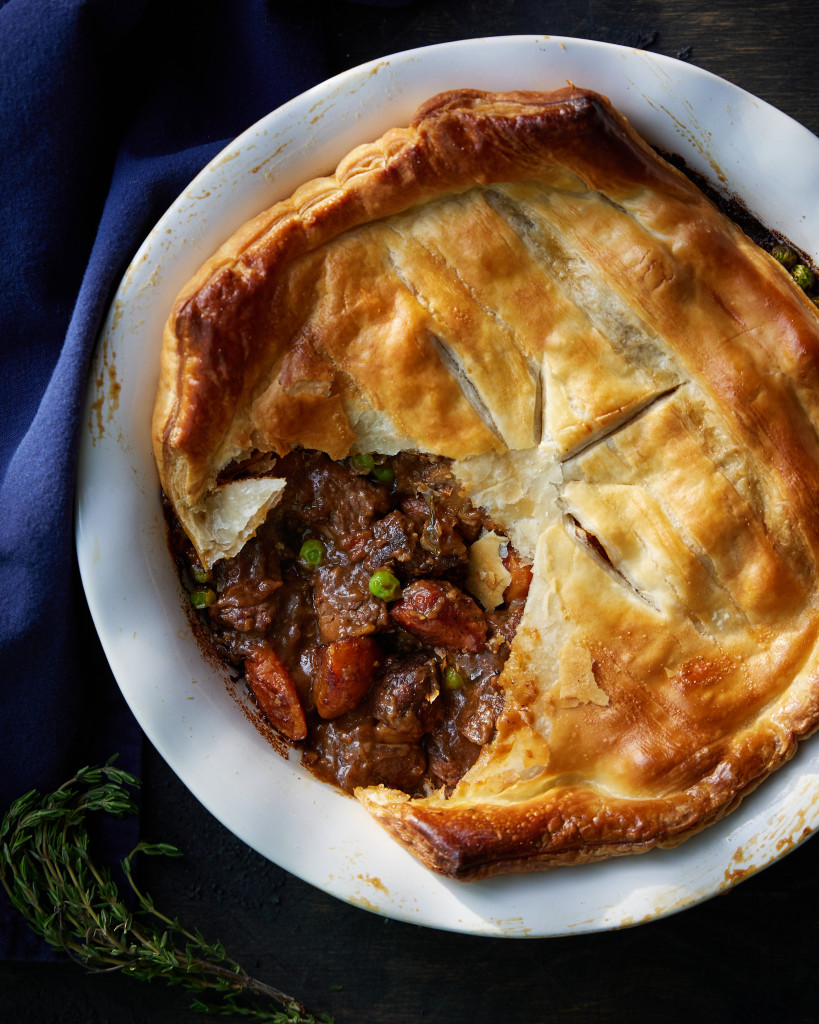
(320, 108)
(788, 843)
(364, 904)
(226, 157)
(381, 64)
(793, 824)
(276, 152)
(376, 69)
(366, 899)
(751, 856)
(107, 387)
(697, 136)
(687, 125)
(509, 926)
(369, 891)
(344, 90)
(738, 870)
(376, 883)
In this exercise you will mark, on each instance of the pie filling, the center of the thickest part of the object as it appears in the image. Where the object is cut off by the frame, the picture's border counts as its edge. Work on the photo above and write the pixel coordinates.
(370, 627)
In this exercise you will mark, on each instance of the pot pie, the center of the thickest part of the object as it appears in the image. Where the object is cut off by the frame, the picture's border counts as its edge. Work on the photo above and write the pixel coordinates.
(492, 462)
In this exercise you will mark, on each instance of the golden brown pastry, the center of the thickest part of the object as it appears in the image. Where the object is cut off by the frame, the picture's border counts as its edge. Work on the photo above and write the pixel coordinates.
(622, 380)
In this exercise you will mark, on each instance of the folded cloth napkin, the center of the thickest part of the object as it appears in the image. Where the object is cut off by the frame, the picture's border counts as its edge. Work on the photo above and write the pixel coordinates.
(107, 109)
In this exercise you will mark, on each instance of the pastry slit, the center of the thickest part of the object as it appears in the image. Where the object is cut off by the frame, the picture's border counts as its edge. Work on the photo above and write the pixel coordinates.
(539, 416)
(592, 546)
(452, 363)
(629, 417)
(573, 274)
(700, 554)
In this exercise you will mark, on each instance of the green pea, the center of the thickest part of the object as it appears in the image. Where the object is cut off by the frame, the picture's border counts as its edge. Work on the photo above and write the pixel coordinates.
(453, 680)
(384, 585)
(312, 553)
(204, 597)
(782, 254)
(384, 474)
(200, 574)
(803, 276)
(363, 462)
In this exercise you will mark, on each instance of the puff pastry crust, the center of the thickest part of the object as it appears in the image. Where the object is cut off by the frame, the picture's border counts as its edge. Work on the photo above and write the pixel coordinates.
(631, 387)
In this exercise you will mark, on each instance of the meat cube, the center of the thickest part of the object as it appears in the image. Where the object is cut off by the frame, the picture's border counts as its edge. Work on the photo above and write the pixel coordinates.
(413, 545)
(442, 615)
(344, 605)
(351, 754)
(394, 542)
(405, 698)
(483, 704)
(327, 492)
(248, 586)
(450, 754)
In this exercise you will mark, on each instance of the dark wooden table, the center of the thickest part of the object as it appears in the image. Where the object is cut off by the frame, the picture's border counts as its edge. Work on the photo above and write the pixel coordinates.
(745, 956)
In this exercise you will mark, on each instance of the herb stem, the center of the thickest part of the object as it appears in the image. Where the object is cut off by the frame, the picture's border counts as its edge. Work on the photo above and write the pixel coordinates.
(73, 904)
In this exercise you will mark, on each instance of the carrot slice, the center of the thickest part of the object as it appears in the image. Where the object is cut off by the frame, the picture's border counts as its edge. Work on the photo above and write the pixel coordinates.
(275, 693)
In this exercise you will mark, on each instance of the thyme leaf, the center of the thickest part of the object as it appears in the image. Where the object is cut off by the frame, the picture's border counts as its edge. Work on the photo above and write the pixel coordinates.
(75, 906)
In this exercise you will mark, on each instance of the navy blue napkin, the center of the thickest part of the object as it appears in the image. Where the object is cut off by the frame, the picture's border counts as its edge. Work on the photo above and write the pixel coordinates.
(107, 109)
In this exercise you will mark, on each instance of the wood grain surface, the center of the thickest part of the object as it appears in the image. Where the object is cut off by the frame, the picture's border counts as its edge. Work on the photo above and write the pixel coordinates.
(746, 956)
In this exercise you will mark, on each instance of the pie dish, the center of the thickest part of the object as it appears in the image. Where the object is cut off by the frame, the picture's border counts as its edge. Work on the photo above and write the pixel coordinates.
(518, 284)
(180, 698)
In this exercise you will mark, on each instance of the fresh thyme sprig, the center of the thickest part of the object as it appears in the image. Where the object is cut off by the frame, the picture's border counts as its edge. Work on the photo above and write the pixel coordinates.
(47, 871)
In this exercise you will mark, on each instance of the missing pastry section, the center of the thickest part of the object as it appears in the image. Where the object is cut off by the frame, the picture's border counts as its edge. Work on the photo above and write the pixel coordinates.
(371, 616)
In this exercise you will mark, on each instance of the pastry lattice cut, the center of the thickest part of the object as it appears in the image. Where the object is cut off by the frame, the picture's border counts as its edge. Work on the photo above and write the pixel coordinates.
(622, 380)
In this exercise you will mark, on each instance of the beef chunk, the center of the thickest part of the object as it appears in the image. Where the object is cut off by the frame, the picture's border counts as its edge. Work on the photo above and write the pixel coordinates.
(294, 634)
(483, 704)
(344, 605)
(248, 589)
(429, 479)
(350, 754)
(442, 615)
(467, 723)
(405, 698)
(505, 621)
(416, 544)
(450, 755)
(330, 494)
(394, 543)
